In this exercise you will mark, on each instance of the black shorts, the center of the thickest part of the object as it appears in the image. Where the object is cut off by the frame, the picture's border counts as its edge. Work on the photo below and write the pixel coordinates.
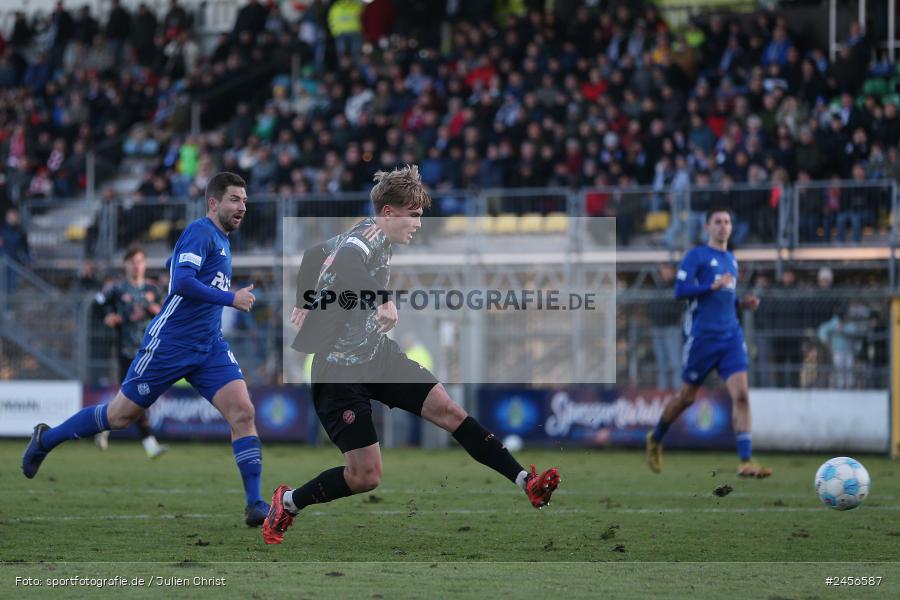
(343, 400)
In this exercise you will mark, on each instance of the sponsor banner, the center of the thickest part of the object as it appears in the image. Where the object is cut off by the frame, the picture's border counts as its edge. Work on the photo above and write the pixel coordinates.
(24, 404)
(838, 421)
(282, 414)
(603, 416)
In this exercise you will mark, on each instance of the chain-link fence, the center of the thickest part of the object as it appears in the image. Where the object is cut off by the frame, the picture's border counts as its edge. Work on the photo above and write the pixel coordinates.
(672, 218)
(804, 338)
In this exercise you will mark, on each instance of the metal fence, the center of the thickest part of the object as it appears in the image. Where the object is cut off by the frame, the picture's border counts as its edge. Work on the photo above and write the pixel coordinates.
(805, 338)
(805, 215)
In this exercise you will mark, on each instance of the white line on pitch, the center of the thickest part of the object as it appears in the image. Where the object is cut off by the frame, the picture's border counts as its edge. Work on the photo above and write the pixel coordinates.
(456, 511)
(615, 496)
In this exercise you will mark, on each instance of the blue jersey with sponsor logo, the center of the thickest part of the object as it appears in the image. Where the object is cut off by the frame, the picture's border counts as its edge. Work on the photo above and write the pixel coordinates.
(186, 322)
(710, 312)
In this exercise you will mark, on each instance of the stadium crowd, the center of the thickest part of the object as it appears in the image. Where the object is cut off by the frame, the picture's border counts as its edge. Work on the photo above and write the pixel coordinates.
(604, 96)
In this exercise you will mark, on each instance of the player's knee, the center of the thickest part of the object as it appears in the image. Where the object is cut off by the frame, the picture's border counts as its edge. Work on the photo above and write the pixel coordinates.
(742, 398)
(447, 414)
(118, 420)
(242, 415)
(364, 480)
(453, 415)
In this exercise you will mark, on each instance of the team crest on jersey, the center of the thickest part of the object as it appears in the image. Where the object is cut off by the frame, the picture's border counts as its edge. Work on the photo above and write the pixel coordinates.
(349, 416)
(714, 263)
(143, 389)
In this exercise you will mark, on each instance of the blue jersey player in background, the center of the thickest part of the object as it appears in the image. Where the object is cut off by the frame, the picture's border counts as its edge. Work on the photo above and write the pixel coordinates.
(185, 340)
(713, 340)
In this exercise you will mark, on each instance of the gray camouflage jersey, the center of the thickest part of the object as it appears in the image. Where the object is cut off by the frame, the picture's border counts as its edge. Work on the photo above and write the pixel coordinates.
(358, 339)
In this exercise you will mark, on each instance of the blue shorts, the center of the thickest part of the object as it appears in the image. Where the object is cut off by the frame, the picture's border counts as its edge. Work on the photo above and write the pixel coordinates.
(701, 355)
(159, 364)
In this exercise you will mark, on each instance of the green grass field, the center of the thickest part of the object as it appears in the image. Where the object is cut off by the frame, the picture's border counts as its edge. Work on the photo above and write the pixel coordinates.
(441, 522)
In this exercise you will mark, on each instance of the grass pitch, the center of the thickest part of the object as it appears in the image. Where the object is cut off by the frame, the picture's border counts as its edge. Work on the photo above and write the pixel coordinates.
(444, 523)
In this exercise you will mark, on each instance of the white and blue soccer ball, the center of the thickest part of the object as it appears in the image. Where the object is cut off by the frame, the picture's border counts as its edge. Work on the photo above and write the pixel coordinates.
(513, 443)
(842, 483)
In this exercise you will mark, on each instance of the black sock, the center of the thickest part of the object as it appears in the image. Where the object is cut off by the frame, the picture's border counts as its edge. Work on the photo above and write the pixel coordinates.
(326, 486)
(484, 447)
(144, 428)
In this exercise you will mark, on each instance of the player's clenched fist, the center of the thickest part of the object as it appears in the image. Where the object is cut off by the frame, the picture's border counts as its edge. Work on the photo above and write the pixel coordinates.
(244, 298)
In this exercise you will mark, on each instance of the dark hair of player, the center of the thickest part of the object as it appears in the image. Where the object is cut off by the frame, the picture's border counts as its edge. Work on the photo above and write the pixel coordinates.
(219, 182)
(133, 250)
(717, 209)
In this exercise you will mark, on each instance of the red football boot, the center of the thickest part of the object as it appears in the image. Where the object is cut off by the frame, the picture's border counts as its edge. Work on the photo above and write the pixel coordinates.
(540, 487)
(278, 520)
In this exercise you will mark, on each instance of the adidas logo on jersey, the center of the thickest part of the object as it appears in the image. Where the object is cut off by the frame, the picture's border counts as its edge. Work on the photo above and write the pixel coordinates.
(222, 252)
(714, 263)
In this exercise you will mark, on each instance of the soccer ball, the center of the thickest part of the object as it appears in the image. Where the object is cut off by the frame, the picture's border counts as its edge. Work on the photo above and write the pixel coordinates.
(842, 483)
(513, 443)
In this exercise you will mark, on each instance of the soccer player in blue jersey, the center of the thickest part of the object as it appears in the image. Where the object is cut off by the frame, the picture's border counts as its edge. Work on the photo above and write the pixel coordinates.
(714, 339)
(185, 340)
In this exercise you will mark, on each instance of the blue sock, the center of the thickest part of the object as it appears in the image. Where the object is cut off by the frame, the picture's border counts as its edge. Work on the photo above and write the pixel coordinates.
(248, 456)
(85, 423)
(744, 445)
(661, 428)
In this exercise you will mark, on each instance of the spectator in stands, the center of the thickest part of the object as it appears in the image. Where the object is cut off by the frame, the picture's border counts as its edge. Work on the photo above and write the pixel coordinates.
(14, 238)
(860, 48)
(251, 18)
(838, 335)
(59, 33)
(143, 31)
(86, 27)
(176, 20)
(117, 29)
(182, 54)
(855, 200)
(345, 25)
(22, 32)
(622, 99)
